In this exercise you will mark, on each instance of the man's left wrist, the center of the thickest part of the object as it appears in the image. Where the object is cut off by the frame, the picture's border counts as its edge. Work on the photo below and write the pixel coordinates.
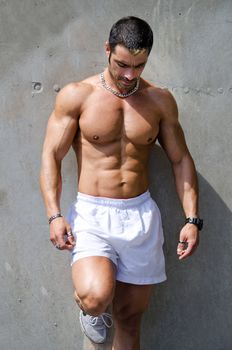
(195, 220)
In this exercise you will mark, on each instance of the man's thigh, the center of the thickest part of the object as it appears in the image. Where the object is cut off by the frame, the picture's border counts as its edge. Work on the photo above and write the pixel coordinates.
(94, 275)
(130, 299)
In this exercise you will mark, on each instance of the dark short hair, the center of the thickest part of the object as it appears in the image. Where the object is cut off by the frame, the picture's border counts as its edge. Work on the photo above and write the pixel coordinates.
(131, 32)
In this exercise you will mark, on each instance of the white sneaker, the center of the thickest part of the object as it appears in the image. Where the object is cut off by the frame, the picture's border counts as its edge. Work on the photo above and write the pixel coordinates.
(95, 327)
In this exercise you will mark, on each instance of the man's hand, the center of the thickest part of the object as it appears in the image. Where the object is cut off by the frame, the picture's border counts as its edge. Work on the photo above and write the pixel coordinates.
(188, 241)
(61, 234)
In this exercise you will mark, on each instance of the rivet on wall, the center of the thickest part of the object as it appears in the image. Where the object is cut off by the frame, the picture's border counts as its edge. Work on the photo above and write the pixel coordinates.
(56, 88)
(37, 87)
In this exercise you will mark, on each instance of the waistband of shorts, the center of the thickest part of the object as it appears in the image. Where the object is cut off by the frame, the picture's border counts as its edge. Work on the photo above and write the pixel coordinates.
(114, 202)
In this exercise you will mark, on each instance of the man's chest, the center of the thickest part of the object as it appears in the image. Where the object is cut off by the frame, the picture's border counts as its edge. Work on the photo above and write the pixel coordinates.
(108, 121)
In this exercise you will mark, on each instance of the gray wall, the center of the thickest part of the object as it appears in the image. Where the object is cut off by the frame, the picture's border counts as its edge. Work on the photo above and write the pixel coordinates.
(48, 43)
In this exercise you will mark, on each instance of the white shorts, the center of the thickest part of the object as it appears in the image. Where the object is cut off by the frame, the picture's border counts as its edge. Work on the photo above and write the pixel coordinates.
(127, 231)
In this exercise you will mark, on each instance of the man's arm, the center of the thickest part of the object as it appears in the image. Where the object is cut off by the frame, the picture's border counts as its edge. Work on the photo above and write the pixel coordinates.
(171, 138)
(61, 129)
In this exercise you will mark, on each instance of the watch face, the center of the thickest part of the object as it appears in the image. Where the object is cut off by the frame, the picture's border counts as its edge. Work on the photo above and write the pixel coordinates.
(196, 221)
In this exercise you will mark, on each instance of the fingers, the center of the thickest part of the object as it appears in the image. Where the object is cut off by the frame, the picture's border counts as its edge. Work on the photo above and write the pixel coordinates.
(181, 247)
(185, 249)
(188, 241)
(61, 236)
(185, 252)
(63, 245)
(70, 238)
(59, 243)
(66, 241)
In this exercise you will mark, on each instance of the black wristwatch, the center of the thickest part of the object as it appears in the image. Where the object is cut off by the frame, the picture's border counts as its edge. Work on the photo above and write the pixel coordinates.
(195, 221)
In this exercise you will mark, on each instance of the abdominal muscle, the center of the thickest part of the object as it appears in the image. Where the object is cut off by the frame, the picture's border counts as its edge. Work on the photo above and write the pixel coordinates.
(116, 170)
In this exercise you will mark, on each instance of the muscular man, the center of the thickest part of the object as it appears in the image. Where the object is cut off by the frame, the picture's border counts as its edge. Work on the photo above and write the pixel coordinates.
(114, 229)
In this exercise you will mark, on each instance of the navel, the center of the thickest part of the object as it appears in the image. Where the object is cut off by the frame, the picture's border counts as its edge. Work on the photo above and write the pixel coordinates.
(149, 139)
(95, 137)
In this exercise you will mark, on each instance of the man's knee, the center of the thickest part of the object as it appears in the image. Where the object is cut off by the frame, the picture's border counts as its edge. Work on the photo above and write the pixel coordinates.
(94, 302)
(129, 316)
(126, 310)
(128, 323)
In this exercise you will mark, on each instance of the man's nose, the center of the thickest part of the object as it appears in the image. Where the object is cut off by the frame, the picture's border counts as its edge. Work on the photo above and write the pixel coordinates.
(130, 74)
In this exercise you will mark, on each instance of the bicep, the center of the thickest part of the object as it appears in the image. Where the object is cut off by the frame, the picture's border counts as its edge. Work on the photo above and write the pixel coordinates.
(171, 136)
(63, 122)
(61, 130)
(172, 140)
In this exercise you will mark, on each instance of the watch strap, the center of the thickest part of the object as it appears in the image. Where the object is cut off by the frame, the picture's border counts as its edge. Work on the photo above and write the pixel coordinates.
(195, 221)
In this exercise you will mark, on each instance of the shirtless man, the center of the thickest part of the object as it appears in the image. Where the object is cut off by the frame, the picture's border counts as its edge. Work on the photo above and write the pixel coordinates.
(114, 229)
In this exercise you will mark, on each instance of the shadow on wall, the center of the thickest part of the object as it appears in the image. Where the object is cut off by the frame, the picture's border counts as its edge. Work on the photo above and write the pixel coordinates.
(192, 310)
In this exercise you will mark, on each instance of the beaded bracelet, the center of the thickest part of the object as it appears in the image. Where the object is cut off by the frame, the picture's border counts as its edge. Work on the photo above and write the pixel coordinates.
(53, 217)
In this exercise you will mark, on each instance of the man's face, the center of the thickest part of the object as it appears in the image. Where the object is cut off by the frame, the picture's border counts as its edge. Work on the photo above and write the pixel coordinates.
(125, 67)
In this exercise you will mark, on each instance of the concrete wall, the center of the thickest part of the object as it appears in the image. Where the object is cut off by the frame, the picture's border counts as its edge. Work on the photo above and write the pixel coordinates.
(45, 44)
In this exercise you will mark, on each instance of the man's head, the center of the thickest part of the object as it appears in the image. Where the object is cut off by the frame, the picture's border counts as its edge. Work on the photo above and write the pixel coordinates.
(133, 33)
(129, 45)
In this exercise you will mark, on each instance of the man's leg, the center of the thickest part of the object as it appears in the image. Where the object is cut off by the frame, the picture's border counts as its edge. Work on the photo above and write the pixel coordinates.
(129, 304)
(94, 283)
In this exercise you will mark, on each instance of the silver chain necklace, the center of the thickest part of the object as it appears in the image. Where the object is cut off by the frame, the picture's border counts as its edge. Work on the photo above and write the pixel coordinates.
(116, 93)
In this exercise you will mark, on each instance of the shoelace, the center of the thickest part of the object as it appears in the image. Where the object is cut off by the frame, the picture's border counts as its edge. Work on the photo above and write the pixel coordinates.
(105, 318)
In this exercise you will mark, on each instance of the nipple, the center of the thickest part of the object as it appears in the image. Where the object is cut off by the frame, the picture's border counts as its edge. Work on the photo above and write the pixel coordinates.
(95, 137)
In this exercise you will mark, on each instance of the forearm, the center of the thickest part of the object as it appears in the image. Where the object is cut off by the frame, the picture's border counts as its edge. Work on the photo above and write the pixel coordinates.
(51, 183)
(187, 185)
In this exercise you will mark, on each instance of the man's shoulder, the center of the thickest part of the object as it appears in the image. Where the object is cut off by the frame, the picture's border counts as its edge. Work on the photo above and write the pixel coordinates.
(73, 95)
(157, 92)
(162, 99)
(75, 89)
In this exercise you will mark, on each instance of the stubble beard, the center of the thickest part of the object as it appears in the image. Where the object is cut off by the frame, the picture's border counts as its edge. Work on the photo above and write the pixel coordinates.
(116, 80)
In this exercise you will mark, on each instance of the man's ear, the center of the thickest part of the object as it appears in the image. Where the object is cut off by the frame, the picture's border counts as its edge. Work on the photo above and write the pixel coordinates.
(107, 49)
